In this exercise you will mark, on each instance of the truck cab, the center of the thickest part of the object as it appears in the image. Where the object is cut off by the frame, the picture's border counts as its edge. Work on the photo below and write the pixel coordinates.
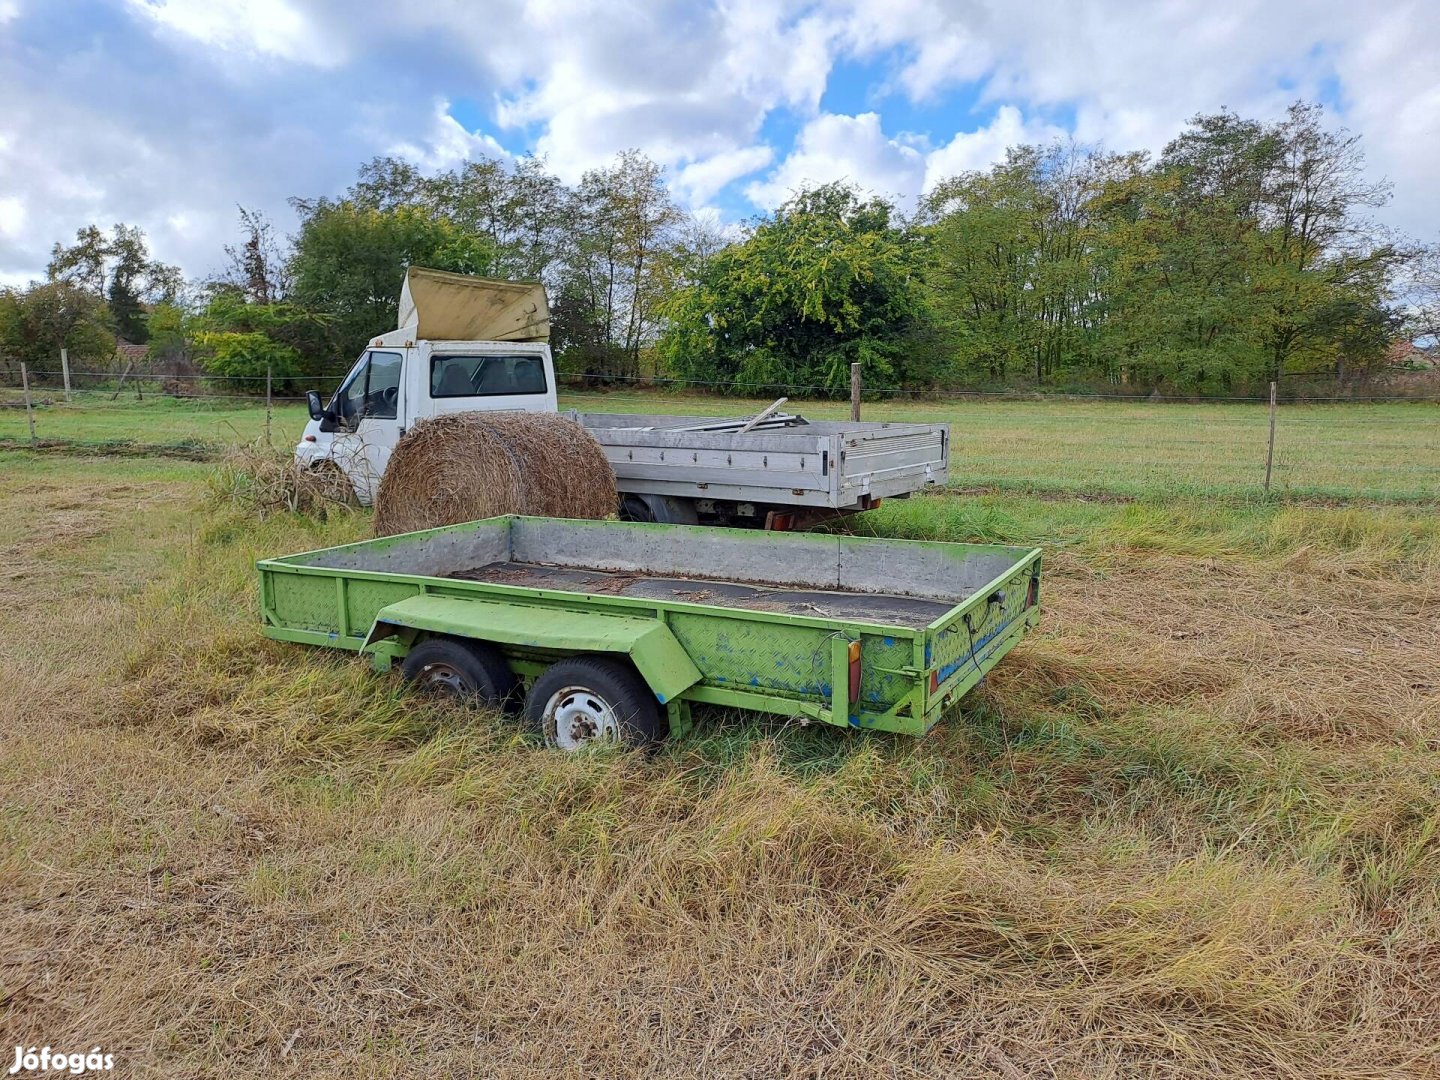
(399, 380)
(404, 376)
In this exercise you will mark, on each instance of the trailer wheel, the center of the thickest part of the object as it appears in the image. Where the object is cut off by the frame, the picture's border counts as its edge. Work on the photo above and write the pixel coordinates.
(470, 671)
(591, 699)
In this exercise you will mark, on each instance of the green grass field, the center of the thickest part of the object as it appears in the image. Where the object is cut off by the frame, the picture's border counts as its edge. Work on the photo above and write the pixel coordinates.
(1385, 452)
(1188, 828)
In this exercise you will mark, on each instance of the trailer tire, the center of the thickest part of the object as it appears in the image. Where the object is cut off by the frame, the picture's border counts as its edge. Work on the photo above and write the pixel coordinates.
(470, 671)
(593, 699)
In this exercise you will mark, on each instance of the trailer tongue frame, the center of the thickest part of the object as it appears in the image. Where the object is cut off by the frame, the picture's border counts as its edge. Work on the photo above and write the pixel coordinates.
(845, 630)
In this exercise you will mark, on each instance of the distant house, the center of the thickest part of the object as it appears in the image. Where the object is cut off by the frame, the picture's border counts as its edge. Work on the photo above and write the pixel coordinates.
(128, 354)
(1406, 354)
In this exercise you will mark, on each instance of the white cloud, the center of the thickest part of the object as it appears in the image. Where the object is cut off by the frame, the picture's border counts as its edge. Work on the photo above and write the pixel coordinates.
(208, 103)
(853, 148)
(1132, 74)
(979, 149)
(682, 82)
(1393, 94)
(12, 215)
(157, 149)
(699, 181)
(275, 28)
(448, 143)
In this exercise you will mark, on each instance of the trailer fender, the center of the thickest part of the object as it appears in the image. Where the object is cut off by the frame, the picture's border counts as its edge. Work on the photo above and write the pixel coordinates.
(651, 647)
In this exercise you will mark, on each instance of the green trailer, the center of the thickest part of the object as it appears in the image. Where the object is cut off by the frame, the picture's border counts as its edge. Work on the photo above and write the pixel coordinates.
(613, 630)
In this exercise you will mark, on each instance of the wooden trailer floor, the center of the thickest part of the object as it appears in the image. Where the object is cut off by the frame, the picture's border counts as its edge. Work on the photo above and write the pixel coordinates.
(886, 609)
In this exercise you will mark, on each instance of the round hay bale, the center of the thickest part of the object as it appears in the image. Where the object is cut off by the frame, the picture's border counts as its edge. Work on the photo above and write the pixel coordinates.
(465, 466)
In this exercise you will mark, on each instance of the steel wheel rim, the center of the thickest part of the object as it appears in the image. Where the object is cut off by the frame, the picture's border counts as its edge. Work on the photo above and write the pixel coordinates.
(442, 678)
(576, 716)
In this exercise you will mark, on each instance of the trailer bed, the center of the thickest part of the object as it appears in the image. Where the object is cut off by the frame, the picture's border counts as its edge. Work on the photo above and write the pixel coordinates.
(883, 609)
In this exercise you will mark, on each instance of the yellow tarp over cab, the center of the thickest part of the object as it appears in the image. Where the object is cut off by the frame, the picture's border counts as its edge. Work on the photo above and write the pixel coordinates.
(458, 307)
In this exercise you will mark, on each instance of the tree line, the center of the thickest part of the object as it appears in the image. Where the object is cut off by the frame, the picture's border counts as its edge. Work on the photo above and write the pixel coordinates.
(1242, 253)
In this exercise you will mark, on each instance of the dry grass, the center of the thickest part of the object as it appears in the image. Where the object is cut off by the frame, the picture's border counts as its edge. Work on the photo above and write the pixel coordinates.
(1295, 651)
(263, 480)
(465, 466)
(1171, 837)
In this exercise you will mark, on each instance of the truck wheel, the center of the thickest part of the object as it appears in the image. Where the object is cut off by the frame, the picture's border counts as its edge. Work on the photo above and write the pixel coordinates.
(592, 699)
(471, 671)
(659, 508)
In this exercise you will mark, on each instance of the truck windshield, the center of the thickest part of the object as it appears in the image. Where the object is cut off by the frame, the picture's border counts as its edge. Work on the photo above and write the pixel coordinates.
(486, 376)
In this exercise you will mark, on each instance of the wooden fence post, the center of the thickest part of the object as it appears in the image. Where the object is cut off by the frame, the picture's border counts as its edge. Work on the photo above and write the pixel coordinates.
(855, 391)
(1270, 450)
(269, 373)
(121, 384)
(65, 371)
(29, 408)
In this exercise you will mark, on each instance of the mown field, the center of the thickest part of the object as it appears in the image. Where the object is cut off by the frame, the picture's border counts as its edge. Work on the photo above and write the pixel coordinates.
(1387, 452)
(1190, 828)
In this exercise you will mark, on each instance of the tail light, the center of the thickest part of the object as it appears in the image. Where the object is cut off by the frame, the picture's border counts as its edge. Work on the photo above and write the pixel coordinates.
(854, 672)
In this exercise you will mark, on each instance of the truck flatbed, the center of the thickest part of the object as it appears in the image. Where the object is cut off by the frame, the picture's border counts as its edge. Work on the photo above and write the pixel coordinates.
(836, 465)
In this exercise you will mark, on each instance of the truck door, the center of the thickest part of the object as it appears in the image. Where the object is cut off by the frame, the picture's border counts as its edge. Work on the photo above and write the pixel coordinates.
(369, 408)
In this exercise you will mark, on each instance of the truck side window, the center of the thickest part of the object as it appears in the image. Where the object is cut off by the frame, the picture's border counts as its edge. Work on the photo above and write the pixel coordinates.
(486, 376)
(372, 391)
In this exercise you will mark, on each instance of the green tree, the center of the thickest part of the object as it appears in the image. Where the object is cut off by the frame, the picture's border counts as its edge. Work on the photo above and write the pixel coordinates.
(1318, 267)
(1179, 304)
(258, 265)
(235, 338)
(117, 268)
(518, 210)
(350, 259)
(37, 322)
(247, 357)
(829, 279)
(1014, 270)
(622, 260)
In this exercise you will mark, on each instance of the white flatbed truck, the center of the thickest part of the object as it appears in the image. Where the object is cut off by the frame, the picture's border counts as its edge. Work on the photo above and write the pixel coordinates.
(469, 344)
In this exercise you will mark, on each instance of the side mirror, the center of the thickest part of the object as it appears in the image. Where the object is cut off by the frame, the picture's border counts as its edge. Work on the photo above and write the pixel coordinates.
(317, 407)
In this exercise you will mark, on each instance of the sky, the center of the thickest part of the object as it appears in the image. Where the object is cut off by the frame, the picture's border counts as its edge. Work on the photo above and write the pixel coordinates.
(167, 114)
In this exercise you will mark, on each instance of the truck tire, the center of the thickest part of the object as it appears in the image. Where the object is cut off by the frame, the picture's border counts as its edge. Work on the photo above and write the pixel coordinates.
(592, 699)
(334, 484)
(469, 671)
(663, 509)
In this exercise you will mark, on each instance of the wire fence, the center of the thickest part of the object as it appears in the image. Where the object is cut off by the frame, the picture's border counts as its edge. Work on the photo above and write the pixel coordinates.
(1081, 443)
(1418, 386)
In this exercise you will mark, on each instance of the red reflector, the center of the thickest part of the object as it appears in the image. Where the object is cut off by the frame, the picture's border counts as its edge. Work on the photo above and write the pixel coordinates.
(309, 438)
(934, 681)
(1033, 596)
